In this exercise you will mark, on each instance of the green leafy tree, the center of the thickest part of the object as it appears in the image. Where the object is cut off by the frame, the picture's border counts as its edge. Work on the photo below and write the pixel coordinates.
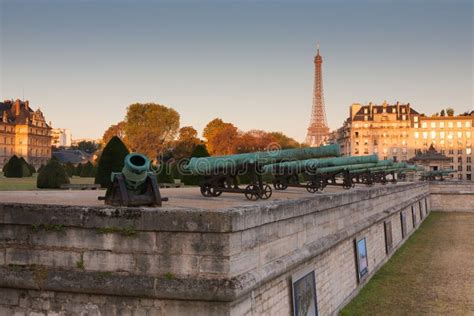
(87, 146)
(450, 111)
(186, 142)
(111, 160)
(221, 137)
(150, 128)
(87, 170)
(52, 176)
(70, 169)
(14, 168)
(443, 113)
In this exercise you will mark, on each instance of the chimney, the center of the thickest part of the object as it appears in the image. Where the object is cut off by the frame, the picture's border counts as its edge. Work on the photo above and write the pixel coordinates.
(27, 105)
(16, 107)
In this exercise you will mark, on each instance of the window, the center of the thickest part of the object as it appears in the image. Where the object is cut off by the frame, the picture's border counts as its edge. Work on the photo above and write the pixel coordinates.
(433, 134)
(356, 134)
(394, 158)
(468, 176)
(459, 168)
(451, 152)
(459, 159)
(441, 124)
(366, 151)
(459, 124)
(468, 134)
(450, 124)
(425, 135)
(468, 151)
(404, 117)
(460, 176)
(450, 135)
(366, 110)
(424, 125)
(433, 124)
(459, 151)
(468, 159)
(441, 135)
(468, 168)
(459, 134)
(416, 125)
(415, 119)
(468, 124)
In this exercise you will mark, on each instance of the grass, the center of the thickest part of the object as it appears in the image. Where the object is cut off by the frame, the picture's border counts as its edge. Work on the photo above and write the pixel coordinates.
(29, 183)
(431, 273)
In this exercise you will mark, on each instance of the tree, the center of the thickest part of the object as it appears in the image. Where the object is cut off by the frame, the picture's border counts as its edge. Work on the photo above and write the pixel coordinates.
(284, 141)
(52, 176)
(221, 137)
(114, 130)
(87, 170)
(87, 146)
(443, 113)
(14, 168)
(111, 160)
(150, 128)
(187, 141)
(200, 151)
(450, 111)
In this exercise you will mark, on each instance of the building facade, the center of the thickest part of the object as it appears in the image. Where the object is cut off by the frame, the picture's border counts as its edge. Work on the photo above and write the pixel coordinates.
(61, 137)
(23, 132)
(399, 132)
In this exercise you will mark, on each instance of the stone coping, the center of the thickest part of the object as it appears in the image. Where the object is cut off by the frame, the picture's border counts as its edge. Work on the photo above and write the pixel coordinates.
(174, 219)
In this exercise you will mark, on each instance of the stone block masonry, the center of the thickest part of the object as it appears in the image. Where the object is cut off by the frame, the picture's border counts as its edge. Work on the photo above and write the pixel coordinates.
(236, 260)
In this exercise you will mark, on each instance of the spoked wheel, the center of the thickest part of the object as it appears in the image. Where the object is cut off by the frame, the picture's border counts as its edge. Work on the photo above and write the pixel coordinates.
(266, 192)
(312, 187)
(252, 192)
(206, 190)
(214, 192)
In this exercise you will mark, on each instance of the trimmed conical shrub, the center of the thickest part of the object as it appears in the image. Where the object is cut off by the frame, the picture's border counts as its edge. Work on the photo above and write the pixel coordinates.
(32, 168)
(78, 170)
(70, 169)
(199, 151)
(25, 168)
(52, 176)
(110, 161)
(87, 170)
(14, 168)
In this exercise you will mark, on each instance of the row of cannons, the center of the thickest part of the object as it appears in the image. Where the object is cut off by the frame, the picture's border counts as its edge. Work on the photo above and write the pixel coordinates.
(311, 169)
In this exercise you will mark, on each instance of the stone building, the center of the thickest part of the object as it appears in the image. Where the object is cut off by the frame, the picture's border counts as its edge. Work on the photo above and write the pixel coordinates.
(399, 132)
(23, 132)
(431, 160)
(61, 137)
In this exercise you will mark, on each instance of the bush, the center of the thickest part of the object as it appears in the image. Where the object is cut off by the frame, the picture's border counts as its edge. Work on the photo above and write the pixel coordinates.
(164, 174)
(70, 169)
(52, 176)
(110, 161)
(13, 168)
(87, 170)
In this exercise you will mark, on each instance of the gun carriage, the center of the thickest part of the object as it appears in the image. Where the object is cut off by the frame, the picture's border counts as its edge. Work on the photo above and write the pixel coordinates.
(435, 175)
(221, 174)
(318, 173)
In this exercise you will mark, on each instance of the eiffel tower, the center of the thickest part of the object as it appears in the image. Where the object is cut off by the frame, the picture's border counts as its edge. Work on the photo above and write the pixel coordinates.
(318, 129)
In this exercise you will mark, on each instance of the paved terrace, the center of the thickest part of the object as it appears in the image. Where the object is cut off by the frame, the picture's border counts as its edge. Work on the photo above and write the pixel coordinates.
(188, 197)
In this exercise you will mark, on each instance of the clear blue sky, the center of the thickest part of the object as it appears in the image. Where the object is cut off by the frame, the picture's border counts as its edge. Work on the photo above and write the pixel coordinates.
(249, 62)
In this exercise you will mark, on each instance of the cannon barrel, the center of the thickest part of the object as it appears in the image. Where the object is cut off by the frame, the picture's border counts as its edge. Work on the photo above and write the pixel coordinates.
(210, 165)
(355, 167)
(313, 164)
(134, 171)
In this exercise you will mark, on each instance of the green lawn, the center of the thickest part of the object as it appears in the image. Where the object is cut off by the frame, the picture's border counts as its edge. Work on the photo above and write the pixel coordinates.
(431, 274)
(29, 183)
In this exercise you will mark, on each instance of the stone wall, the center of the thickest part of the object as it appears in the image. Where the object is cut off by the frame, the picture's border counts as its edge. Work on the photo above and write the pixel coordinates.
(175, 261)
(452, 196)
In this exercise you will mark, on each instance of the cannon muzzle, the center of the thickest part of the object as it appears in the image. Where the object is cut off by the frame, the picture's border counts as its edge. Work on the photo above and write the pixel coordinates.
(135, 185)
